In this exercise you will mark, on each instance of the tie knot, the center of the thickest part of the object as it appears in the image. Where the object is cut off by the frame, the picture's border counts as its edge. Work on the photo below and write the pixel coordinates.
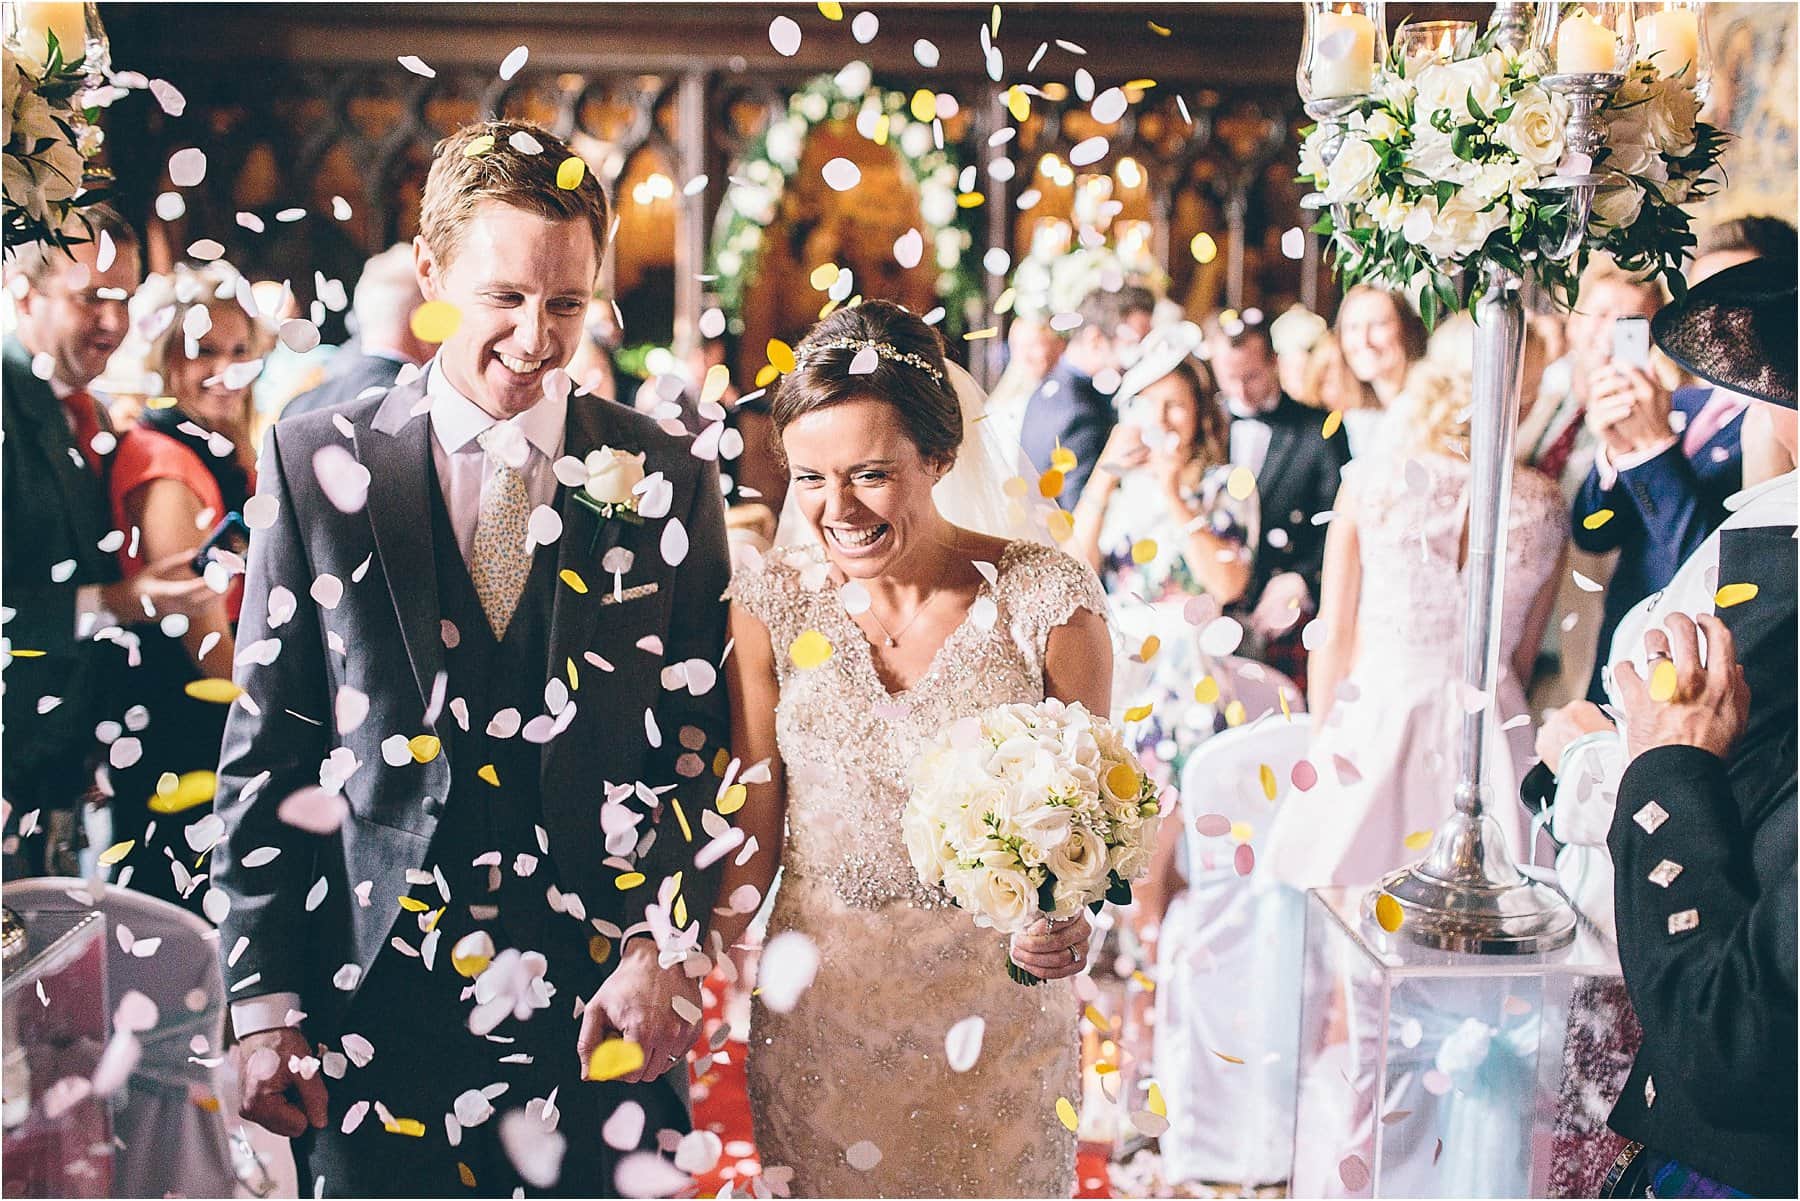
(506, 443)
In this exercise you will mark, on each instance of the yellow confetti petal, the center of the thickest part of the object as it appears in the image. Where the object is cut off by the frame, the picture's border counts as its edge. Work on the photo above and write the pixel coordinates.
(810, 650)
(25, 654)
(1281, 695)
(1148, 651)
(1135, 713)
(1333, 420)
(1095, 1016)
(413, 905)
(626, 881)
(161, 402)
(1596, 519)
(832, 9)
(573, 579)
(614, 1058)
(1388, 913)
(718, 378)
(976, 335)
(1156, 1104)
(1228, 1058)
(1018, 102)
(1203, 248)
(574, 675)
(570, 174)
(1159, 30)
(823, 276)
(1234, 713)
(188, 790)
(424, 747)
(116, 852)
(766, 375)
(213, 691)
(733, 800)
(1240, 483)
(410, 1127)
(687, 831)
(479, 146)
(468, 966)
(1122, 778)
(1060, 525)
(599, 948)
(1418, 840)
(435, 320)
(1242, 831)
(1050, 484)
(969, 200)
(1206, 691)
(208, 1102)
(1143, 551)
(1662, 681)
(1063, 459)
(1139, 85)
(1266, 775)
(1144, 982)
(1734, 594)
(1105, 1069)
(462, 1169)
(489, 773)
(721, 761)
(1065, 1113)
(924, 105)
(781, 356)
(681, 909)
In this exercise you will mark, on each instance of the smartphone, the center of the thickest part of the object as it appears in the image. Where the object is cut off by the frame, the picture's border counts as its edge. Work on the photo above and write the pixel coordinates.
(231, 534)
(1631, 341)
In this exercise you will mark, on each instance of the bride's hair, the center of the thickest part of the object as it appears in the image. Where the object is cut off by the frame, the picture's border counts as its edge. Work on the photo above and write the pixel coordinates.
(909, 374)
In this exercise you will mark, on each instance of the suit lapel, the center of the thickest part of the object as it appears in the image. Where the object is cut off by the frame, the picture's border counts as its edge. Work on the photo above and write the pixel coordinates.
(396, 449)
(584, 543)
(83, 496)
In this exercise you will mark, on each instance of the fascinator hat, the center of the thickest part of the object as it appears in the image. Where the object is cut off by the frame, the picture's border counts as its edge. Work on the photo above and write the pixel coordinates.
(1161, 351)
(1736, 329)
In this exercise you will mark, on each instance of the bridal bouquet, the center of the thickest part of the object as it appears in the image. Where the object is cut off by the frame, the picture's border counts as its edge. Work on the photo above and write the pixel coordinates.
(1030, 811)
(1447, 163)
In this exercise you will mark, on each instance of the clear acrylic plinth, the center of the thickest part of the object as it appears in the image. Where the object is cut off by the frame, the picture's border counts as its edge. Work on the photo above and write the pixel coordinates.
(1427, 1073)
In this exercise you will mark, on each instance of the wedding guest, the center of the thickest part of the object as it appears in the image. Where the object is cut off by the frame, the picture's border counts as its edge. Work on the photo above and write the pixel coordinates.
(381, 312)
(182, 475)
(60, 587)
(1728, 243)
(1295, 334)
(1033, 349)
(1381, 337)
(1282, 444)
(1160, 524)
(1327, 383)
(1386, 684)
(1073, 407)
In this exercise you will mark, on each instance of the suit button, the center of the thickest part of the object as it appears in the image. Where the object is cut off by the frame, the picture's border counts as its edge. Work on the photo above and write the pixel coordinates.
(433, 807)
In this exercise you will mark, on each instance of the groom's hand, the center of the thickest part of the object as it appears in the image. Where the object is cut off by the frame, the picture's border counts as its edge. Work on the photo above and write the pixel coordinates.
(275, 1096)
(637, 1003)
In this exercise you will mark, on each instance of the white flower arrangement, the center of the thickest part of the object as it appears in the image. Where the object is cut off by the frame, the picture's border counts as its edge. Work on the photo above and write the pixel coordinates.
(1029, 811)
(1446, 165)
(49, 139)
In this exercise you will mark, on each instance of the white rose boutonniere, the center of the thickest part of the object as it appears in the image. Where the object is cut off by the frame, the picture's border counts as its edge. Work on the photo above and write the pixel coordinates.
(612, 477)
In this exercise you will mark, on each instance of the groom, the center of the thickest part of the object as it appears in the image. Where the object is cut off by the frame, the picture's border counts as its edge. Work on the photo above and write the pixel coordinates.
(472, 695)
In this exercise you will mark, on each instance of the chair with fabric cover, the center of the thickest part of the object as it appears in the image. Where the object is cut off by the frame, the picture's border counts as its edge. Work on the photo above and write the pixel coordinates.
(1228, 990)
(169, 1115)
(1257, 686)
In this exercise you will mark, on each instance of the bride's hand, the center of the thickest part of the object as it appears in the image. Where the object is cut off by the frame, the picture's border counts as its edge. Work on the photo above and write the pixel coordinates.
(1052, 950)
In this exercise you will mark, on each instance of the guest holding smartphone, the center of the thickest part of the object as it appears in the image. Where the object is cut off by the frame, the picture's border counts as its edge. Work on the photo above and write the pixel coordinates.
(178, 481)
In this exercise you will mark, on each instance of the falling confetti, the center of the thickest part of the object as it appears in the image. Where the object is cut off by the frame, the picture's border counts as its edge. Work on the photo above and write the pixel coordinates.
(1663, 682)
(784, 35)
(1734, 594)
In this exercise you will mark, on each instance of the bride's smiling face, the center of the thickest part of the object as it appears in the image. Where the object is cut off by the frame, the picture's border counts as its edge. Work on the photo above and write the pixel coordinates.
(862, 485)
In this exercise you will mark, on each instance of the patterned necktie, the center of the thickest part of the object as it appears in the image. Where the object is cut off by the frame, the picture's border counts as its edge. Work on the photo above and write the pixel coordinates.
(499, 563)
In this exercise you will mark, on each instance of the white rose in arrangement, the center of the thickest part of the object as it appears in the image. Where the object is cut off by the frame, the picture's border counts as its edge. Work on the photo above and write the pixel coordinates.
(1451, 85)
(925, 845)
(1378, 126)
(1432, 159)
(1455, 231)
(1080, 862)
(1003, 895)
(1351, 176)
(1618, 207)
(1396, 92)
(1312, 163)
(1534, 131)
(58, 170)
(612, 474)
(783, 144)
(1671, 115)
(33, 120)
(1389, 211)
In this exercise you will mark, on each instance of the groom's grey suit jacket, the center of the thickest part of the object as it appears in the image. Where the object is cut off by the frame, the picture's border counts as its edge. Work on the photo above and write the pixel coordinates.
(383, 637)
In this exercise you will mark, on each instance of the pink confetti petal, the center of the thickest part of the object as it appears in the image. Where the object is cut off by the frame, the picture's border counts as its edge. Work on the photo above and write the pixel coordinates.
(644, 1174)
(840, 174)
(1304, 775)
(1354, 1173)
(187, 167)
(1213, 825)
(909, 249)
(536, 1151)
(1347, 772)
(784, 35)
(962, 1045)
(314, 810)
(1244, 859)
(344, 481)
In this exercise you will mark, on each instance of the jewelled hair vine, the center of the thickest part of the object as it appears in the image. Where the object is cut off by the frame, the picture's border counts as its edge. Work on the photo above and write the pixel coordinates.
(890, 353)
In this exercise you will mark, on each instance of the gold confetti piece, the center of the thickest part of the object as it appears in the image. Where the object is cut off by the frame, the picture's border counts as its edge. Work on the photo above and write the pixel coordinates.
(471, 960)
(116, 852)
(1596, 519)
(1206, 691)
(1097, 1018)
(413, 905)
(1063, 459)
(411, 1127)
(213, 691)
(1156, 1104)
(614, 1058)
(1050, 484)
(1227, 1058)
(574, 675)
(1662, 681)
(186, 791)
(766, 375)
(477, 148)
(733, 800)
(1203, 248)
(781, 356)
(1148, 651)
(627, 881)
(1418, 840)
(435, 320)
(462, 1169)
(570, 577)
(721, 761)
(488, 772)
(969, 200)
(687, 831)
(1724, 598)
(1065, 1113)
(1333, 420)
(570, 174)
(832, 9)
(1122, 778)
(1018, 102)
(1144, 982)
(599, 948)
(161, 402)
(1281, 695)
(975, 335)
(1266, 775)
(25, 654)
(1240, 483)
(1242, 831)
(1139, 85)
(1143, 551)
(1061, 526)
(924, 105)
(1388, 914)
(1135, 713)
(822, 277)
(1160, 31)
(1105, 1069)
(810, 650)
(1235, 714)
(424, 747)
(1004, 305)
(208, 1102)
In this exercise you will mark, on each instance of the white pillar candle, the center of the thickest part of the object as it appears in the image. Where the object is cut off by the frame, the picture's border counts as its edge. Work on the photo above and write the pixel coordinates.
(67, 18)
(1673, 36)
(1343, 54)
(1585, 47)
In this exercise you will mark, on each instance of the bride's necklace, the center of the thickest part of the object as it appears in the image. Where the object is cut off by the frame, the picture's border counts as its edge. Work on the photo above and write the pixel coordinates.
(891, 637)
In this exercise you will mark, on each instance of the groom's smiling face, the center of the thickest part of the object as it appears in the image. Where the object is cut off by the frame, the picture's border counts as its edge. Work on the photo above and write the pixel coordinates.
(862, 484)
(521, 283)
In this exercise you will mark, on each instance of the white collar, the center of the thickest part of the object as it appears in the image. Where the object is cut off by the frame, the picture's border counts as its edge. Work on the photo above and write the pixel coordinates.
(1246, 412)
(457, 421)
(1771, 502)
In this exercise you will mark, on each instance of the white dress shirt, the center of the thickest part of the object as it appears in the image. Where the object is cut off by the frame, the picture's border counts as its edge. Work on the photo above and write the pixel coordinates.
(457, 424)
(1250, 434)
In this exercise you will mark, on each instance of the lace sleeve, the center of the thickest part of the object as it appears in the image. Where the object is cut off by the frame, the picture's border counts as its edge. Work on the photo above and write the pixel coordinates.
(767, 591)
(1043, 590)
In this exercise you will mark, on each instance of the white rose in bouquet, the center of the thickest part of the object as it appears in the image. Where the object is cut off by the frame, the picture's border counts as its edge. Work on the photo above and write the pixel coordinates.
(1389, 211)
(1618, 207)
(1534, 131)
(1351, 175)
(1079, 863)
(1672, 113)
(1002, 894)
(1378, 126)
(1452, 85)
(1455, 231)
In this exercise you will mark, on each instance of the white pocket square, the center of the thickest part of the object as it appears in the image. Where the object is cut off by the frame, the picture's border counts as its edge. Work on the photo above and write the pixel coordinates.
(635, 592)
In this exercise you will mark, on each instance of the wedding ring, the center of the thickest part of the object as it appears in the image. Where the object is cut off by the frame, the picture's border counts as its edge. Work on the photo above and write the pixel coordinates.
(674, 1059)
(1074, 955)
(1656, 656)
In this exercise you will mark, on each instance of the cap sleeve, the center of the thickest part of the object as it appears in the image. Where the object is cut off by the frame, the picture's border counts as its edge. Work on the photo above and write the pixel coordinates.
(1043, 589)
(769, 590)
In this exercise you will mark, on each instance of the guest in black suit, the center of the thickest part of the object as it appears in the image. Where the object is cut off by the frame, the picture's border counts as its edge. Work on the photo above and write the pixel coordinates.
(381, 313)
(1703, 836)
(496, 718)
(1297, 468)
(60, 584)
(1072, 408)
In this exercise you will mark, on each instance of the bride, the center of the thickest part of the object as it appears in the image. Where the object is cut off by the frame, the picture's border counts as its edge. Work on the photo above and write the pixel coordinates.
(850, 652)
